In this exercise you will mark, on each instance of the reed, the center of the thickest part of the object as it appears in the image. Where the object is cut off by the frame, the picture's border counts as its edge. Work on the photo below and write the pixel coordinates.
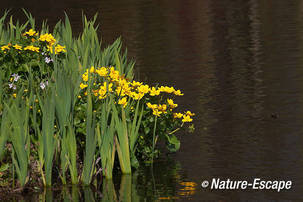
(18, 112)
(48, 136)
(105, 137)
(90, 143)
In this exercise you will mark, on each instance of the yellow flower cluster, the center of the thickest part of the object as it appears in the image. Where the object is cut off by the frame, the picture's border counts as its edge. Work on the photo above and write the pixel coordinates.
(135, 90)
(108, 80)
(157, 109)
(186, 117)
(48, 38)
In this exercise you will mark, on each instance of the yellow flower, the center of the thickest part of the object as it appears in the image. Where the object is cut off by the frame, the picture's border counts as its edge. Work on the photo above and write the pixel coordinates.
(32, 48)
(59, 49)
(82, 86)
(102, 97)
(154, 92)
(85, 76)
(102, 71)
(135, 83)
(79, 96)
(114, 75)
(178, 115)
(171, 103)
(4, 48)
(31, 32)
(103, 89)
(123, 102)
(151, 106)
(188, 113)
(162, 108)
(92, 69)
(120, 91)
(95, 92)
(167, 89)
(186, 118)
(136, 96)
(14, 95)
(17, 47)
(143, 89)
(178, 93)
(156, 112)
(48, 38)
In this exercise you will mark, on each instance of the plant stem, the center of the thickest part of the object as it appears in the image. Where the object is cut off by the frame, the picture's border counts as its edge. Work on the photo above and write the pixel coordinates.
(154, 133)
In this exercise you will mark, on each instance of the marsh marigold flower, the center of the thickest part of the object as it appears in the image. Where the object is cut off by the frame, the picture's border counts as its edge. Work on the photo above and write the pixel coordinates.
(59, 49)
(189, 113)
(48, 38)
(156, 112)
(178, 115)
(167, 89)
(92, 69)
(17, 47)
(154, 92)
(123, 102)
(151, 106)
(114, 74)
(136, 84)
(143, 89)
(171, 103)
(136, 96)
(162, 108)
(186, 118)
(6, 47)
(32, 48)
(178, 93)
(102, 71)
(31, 32)
(82, 86)
(85, 76)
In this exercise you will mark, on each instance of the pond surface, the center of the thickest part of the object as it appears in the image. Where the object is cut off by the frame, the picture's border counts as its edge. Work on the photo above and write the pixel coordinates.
(240, 65)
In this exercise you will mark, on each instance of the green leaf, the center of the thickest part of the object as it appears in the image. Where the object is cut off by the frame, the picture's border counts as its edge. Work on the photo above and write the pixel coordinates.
(4, 167)
(173, 144)
(146, 130)
(134, 161)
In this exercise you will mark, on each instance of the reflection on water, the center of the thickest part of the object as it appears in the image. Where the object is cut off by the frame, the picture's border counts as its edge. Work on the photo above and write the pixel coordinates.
(161, 181)
(240, 65)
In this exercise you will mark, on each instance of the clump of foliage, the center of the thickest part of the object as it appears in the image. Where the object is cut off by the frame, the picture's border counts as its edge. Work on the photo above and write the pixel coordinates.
(70, 106)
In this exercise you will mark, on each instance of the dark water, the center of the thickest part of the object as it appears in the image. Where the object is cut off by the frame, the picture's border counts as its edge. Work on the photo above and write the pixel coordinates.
(240, 65)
